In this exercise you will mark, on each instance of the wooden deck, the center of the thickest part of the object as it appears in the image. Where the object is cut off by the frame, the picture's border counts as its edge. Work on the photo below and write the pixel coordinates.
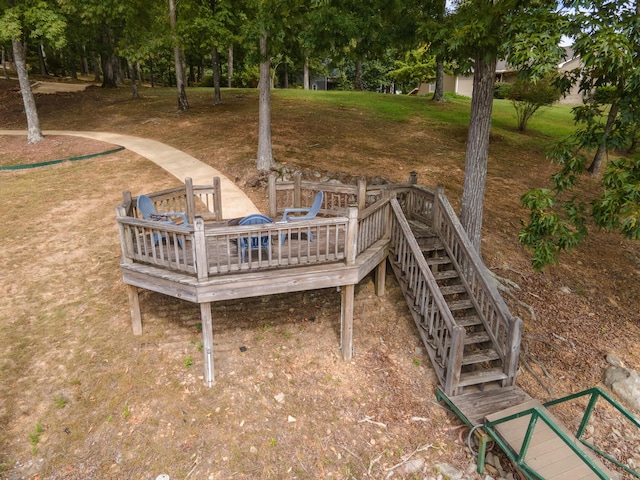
(474, 407)
(470, 335)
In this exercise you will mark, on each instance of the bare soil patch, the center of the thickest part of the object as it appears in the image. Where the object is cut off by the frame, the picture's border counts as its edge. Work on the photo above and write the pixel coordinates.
(84, 398)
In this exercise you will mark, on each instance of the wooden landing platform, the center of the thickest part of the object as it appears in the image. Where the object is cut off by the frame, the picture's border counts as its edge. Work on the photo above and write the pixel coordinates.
(475, 406)
(547, 453)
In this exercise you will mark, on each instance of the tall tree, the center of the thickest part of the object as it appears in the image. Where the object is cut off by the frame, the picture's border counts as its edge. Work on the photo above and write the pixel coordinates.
(265, 151)
(525, 32)
(267, 25)
(19, 22)
(178, 60)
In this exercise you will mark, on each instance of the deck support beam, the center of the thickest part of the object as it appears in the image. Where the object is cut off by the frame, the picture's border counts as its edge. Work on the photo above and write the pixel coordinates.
(134, 305)
(207, 342)
(381, 275)
(346, 322)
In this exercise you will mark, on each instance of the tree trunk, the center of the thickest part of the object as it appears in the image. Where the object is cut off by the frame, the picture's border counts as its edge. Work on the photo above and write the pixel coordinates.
(96, 68)
(117, 69)
(4, 64)
(265, 153)
(305, 76)
(109, 70)
(42, 62)
(357, 84)
(84, 63)
(601, 153)
(475, 174)
(230, 67)
(438, 95)
(215, 59)
(286, 76)
(34, 133)
(132, 77)
(183, 103)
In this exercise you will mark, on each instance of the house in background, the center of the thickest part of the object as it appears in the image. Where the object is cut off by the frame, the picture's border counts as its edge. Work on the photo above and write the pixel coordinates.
(463, 84)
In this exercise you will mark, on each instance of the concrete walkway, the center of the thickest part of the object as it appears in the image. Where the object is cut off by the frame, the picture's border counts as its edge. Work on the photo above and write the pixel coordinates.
(235, 203)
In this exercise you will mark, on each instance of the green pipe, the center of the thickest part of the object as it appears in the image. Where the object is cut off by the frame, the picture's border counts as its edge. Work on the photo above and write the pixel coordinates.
(54, 162)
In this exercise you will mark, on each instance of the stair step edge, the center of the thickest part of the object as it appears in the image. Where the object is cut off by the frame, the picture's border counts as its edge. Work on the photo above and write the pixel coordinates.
(481, 376)
(477, 337)
(481, 356)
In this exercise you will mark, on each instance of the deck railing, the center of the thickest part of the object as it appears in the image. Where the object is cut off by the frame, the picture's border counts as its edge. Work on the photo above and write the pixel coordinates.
(218, 247)
(204, 249)
(195, 200)
(435, 322)
(155, 243)
(373, 224)
(300, 194)
(502, 327)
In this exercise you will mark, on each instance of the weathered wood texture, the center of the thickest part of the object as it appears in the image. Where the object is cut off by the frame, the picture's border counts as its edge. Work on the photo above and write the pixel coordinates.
(436, 326)
(502, 327)
(475, 406)
(357, 227)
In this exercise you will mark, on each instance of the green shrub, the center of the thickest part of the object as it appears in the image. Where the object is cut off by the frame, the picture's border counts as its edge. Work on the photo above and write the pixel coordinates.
(502, 90)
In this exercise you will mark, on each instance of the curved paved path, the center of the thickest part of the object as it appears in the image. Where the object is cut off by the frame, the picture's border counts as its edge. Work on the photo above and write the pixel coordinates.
(235, 203)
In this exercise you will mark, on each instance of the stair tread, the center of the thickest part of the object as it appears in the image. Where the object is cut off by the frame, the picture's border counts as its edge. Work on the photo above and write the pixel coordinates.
(468, 321)
(445, 274)
(460, 305)
(481, 376)
(438, 260)
(452, 289)
(480, 356)
(476, 337)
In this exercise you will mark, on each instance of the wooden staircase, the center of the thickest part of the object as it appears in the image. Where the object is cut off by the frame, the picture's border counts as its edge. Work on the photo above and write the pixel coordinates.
(481, 365)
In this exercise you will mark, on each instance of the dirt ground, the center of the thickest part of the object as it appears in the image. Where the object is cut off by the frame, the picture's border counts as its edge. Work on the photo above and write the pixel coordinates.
(83, 398)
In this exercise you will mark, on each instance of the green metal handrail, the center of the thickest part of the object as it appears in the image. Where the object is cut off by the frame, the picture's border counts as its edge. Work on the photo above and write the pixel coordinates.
(519, 461)
(596, 393)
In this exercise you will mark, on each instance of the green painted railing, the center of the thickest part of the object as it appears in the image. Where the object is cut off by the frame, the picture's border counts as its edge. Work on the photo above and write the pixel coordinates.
(537, 414)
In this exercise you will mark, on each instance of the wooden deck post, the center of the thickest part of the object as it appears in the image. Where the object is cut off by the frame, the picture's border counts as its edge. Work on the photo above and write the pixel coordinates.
(346, 322)
(454, 362)
(362, 193)
(348, 291)
(207, 342)
(273, 200)
(127, 203)
(297, 190)
(352, 236)
(512, 352)
(190, 200)
(437, 205)
(217, 198)
(200, 248)
(126, 243)
(413, 178)
(134, 306)
(381, 274)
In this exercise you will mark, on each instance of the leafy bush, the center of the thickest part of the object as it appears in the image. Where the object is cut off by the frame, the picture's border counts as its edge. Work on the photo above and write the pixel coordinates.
(502, 90)
(527, 98)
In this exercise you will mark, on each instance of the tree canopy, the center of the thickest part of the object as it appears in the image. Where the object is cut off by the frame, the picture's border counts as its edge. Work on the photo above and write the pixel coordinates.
(607, 39)
(375, 42)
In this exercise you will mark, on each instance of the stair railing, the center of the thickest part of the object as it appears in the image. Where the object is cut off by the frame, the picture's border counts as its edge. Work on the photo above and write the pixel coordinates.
(443, 338)
(504, 329)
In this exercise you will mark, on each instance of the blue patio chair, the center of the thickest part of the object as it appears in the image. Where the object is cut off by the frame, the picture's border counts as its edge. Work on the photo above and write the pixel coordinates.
(263, 241)
(309, 214)
(148, 211)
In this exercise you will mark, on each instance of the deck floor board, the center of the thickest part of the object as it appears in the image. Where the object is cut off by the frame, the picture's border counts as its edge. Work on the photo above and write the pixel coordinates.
(547, 454)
